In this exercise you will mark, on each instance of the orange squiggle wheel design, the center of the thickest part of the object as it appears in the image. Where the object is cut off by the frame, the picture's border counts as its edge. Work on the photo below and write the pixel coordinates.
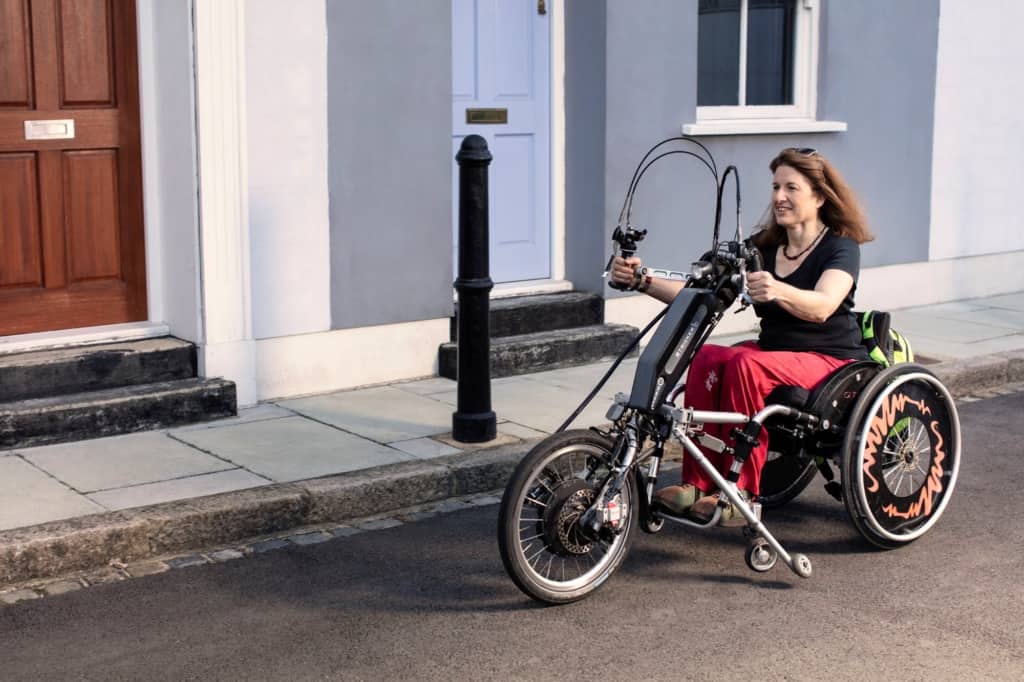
(901, 455)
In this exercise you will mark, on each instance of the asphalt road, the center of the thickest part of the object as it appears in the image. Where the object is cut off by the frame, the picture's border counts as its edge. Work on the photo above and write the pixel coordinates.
(430, 601)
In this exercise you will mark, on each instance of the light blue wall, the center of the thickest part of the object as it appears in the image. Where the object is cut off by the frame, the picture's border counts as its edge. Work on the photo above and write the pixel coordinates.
(652, 83)
(389, 134)
(585, 223)
(876, 73)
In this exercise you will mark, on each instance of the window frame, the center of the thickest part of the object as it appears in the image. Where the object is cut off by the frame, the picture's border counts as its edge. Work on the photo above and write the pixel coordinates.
(801, 116)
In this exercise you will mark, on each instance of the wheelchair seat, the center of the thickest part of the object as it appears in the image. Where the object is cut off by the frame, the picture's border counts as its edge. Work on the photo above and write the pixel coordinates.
(790, 396)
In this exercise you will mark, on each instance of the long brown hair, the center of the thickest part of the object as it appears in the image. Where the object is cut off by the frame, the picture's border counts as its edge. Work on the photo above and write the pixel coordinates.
(841, 211)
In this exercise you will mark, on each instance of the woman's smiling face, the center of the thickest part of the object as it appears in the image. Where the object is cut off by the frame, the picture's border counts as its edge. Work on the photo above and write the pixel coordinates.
(794, 201)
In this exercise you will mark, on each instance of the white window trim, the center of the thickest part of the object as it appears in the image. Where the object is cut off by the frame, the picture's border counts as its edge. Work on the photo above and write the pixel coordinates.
(795, 118)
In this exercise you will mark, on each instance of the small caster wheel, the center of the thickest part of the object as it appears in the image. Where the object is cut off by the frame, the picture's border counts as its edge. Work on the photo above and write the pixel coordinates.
(760, 556)
(652, 524)
(802, 565)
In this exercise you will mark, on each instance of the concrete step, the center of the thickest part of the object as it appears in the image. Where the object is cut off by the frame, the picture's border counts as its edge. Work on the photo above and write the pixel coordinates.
(512, 355)
(37, 374)
(113, 411)
(541, 312)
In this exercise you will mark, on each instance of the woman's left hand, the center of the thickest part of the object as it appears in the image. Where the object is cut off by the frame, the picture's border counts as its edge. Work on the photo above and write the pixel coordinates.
(762, 286)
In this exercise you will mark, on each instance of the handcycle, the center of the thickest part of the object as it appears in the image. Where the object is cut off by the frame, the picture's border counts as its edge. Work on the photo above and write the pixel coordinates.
(573, 505)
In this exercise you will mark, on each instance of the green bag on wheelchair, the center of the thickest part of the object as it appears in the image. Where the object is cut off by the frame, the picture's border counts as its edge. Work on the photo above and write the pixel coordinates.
(885, 345)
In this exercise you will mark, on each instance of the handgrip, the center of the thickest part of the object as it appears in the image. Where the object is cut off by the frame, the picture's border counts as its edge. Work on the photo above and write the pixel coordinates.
(754, 261)
(624, 254)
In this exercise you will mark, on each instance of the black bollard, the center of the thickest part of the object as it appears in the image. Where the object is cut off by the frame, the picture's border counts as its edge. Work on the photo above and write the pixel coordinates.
(474, 421)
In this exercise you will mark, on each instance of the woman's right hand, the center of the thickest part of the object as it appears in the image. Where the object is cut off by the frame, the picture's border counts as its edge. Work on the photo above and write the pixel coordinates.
(623, 270)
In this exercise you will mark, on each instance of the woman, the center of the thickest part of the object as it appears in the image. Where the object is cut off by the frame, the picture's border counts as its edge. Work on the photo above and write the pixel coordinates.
(810, 241)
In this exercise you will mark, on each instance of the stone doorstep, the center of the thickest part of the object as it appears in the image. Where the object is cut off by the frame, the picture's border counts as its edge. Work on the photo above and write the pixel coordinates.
(136, 536)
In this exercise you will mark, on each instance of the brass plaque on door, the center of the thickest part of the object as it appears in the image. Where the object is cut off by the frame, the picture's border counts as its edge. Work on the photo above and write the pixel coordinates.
(487, 116)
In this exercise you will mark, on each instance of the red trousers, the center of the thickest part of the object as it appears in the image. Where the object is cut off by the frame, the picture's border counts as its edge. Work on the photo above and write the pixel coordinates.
(738, 379)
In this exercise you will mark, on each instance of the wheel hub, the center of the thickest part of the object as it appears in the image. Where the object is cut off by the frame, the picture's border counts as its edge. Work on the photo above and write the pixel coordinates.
(561, 519)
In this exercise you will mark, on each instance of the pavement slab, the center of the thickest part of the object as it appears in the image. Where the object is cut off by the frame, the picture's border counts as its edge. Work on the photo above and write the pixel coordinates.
(292, 449)
(30, 496)
(105, 463)
(178, 489)
(912, 323)
(425, 448)
(245, 415)
(384, 414)
(1014, 301)
(541, 406)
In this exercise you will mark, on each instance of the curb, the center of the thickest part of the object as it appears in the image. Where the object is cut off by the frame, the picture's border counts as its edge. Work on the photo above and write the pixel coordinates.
(56, 548)
(59, 547)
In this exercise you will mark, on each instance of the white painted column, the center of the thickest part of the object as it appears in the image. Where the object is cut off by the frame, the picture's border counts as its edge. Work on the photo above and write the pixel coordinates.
(228, 349)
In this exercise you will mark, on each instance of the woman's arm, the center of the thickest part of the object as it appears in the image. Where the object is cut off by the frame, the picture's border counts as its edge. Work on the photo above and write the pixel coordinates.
(665, 290)
(812, 305)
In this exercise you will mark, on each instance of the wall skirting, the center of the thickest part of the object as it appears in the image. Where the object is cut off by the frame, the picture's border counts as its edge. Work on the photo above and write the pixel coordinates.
(347, 358)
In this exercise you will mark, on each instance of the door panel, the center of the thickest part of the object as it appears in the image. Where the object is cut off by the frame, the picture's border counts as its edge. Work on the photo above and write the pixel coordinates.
(20, 256)
(15, 76)
(71, 234)
(90, 196)
(86, 55)
(500, 61)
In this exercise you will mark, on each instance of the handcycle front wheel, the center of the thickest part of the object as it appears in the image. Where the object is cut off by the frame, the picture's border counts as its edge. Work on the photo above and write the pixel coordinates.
(545, 552)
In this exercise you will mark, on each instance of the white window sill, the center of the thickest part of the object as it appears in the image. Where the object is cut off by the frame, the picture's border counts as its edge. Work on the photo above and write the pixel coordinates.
(763, 126)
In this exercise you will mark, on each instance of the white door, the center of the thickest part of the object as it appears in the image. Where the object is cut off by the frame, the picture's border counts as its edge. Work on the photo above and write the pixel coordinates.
(500, 66)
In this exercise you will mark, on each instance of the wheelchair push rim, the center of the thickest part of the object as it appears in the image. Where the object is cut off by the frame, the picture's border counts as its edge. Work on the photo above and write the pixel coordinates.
(905, 458)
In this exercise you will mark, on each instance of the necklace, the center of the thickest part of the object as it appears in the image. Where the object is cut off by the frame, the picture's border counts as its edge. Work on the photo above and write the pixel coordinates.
(809, 246)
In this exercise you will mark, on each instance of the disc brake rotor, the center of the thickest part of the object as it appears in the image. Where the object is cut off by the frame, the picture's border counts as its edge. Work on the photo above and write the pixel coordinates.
(561, 530)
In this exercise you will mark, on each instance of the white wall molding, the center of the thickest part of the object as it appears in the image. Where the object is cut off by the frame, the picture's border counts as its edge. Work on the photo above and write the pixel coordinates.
(557, 141)
(913, 284)
(347, 358)
(223, 193)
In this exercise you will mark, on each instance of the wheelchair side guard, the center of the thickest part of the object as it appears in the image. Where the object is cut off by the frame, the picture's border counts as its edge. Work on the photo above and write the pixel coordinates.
(900, 455)
(793, 457)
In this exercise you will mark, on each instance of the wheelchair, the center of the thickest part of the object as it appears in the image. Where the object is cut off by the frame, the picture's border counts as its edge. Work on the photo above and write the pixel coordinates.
(893, 434)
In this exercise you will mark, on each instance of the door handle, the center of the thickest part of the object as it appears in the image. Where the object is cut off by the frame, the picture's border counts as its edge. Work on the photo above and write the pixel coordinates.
(542, 7)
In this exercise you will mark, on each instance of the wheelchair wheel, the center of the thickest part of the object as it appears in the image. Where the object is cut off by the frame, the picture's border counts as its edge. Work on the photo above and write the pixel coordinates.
(784, 476)
(789, 468)
(901, 455)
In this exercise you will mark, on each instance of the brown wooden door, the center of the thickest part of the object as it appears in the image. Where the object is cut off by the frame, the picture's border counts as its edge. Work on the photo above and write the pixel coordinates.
(71, 232)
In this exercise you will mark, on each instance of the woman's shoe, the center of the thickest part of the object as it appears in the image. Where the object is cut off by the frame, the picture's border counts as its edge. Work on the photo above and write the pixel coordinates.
(677, 499)
(703, 510)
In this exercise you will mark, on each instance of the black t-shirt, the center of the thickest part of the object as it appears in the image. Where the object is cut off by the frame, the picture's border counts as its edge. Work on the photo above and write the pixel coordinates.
(837, 336)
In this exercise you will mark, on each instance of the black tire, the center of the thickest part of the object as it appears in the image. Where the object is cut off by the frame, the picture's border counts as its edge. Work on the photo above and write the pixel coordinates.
(789, 469)
(783, 477)
(543, 552)
(901, 455)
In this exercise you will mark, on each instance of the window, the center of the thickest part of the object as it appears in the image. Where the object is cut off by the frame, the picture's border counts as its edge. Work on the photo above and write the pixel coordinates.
(757, 67)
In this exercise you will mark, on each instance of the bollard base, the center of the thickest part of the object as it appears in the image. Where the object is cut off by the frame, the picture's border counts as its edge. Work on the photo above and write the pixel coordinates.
(474, 427)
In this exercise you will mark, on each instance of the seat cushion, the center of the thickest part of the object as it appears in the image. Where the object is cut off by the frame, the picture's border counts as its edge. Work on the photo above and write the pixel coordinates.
(791, 396)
